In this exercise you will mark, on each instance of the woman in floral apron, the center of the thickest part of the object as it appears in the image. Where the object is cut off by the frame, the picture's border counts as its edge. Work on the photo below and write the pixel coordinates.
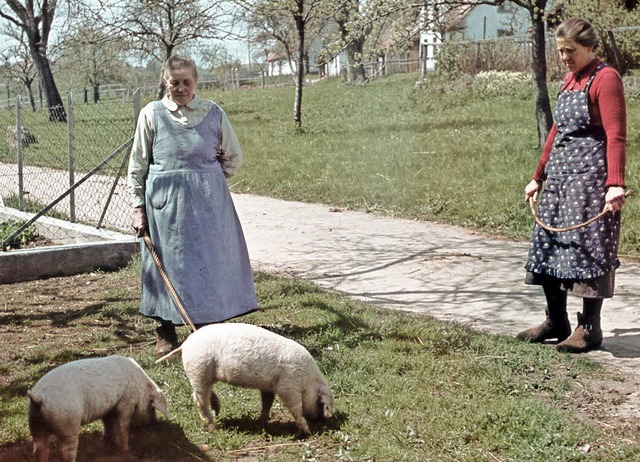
(582, 166)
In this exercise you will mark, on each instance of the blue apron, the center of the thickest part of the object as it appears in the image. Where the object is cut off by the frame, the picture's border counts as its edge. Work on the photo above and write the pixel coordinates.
(194, 227)
(574, 192)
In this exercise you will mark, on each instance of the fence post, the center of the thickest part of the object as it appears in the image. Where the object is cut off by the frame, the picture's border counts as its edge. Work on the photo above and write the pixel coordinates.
(136, 106)
(20, 154)
(72, 158)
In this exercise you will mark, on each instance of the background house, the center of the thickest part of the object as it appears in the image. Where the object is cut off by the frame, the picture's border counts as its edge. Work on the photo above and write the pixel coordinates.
(471, 23)
(466, 23)
(278, 64)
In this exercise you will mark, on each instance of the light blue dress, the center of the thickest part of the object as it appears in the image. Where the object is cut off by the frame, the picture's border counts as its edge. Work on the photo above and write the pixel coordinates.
(194, 227)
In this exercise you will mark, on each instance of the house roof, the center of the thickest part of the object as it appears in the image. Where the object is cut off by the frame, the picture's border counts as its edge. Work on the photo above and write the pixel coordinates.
(454, 17)
(274, 56)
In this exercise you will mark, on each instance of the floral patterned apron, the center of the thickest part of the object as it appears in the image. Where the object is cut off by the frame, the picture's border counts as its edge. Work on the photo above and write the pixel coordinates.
(574, 192)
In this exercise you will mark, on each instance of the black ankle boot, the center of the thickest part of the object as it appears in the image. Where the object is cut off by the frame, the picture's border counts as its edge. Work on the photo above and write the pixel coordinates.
(556, 324)
(166, 339)
(557, 327)
(588, 334)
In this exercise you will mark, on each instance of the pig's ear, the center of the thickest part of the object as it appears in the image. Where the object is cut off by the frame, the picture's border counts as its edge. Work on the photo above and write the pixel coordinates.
(158, 401)
(326, 398)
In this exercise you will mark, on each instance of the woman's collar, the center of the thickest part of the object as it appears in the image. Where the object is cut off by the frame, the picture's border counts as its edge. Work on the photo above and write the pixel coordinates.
(172, 106)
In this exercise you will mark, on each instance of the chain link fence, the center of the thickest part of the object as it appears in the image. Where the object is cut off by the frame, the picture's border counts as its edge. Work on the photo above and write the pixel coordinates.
(66, 176)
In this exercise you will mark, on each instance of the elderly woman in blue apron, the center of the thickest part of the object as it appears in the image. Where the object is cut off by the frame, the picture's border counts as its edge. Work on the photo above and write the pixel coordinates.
(183, 151)
(582, 167)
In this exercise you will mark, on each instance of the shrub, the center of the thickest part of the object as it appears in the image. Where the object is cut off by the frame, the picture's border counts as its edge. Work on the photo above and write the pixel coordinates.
(8, 227)
(502, 83)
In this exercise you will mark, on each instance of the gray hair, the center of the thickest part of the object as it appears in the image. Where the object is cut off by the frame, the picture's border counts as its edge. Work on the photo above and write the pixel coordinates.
(179, 62)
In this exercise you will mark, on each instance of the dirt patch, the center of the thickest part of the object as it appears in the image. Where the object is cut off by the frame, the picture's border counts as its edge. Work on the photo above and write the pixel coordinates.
(38, 241)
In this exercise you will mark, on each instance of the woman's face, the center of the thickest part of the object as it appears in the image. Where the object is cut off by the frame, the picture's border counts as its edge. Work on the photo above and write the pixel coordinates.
(180, 83)
(574, 55)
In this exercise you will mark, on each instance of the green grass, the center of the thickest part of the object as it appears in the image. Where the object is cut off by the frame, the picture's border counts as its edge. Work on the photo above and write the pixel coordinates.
(406, 387)
(392, 149)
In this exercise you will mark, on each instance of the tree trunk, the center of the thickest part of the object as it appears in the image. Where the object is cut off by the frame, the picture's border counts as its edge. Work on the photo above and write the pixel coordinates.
(354, 47)
(28, 85)
(300, 26)
(162, 86)
(37, 26)
(57, 111)
(355, 68)
(544, 118)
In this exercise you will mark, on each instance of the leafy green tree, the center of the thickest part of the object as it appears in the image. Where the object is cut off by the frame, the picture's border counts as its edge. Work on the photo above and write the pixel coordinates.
(363, 23)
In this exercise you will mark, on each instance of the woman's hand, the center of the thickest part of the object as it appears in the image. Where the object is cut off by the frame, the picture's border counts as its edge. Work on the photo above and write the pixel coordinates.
(614, 198)
(139, 221)
(532, 190)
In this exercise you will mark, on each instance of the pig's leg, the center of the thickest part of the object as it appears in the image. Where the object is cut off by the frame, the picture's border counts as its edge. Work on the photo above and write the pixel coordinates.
(292, 399)
(121, 426)
(41, 448)
(109, 422)
(267, 402)
(202, 396)
(215, 402)
(69, 446)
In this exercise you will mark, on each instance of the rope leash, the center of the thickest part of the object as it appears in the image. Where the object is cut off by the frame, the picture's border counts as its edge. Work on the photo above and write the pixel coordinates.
(167, 282)
(532, 205)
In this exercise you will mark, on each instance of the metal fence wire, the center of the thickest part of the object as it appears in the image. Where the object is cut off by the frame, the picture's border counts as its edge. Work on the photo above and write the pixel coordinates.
(53, 173)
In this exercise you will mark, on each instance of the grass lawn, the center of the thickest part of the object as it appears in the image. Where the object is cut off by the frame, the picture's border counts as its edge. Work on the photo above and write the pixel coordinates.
(407, 387)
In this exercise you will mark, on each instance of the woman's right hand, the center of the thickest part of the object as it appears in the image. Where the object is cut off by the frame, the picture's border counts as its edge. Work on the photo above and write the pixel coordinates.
(139, 221)
(532, 190)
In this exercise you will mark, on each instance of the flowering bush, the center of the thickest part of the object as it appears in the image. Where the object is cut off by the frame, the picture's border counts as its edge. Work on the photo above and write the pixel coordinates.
(502, 83)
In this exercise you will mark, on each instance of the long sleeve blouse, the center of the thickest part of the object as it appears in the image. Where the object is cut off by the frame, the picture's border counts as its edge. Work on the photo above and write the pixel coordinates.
(607, 109)
(230, 154)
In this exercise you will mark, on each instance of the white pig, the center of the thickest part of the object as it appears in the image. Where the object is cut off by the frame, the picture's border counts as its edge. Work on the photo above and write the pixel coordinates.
(114, 389)
(253, 357)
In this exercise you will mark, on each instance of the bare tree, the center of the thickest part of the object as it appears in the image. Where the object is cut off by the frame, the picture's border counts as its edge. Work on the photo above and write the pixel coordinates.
(35, 19)
(17, 64)
(278, 18)
(157, 28)
(544, 119)
(87, 55)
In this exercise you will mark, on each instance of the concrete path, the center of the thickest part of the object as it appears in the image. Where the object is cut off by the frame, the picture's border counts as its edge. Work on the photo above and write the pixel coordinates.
(444, 271)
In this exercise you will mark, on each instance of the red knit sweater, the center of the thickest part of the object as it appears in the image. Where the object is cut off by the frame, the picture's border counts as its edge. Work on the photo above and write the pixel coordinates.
(607, 109)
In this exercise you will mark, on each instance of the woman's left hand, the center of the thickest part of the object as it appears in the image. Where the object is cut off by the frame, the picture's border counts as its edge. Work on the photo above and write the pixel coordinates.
(614, 198)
